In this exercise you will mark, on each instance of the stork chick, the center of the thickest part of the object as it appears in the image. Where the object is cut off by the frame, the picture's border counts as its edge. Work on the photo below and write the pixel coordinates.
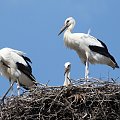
(67, 81)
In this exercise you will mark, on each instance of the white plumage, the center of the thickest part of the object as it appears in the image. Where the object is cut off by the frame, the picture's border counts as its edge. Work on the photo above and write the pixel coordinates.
(67, 80)
(14, 65)
(90, 49)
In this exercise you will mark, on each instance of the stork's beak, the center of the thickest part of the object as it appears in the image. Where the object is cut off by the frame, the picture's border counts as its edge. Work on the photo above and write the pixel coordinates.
(63, 29)
(66, 70)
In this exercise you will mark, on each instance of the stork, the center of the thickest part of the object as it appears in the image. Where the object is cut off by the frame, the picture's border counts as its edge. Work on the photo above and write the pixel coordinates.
(14, 65)
(89, 49)
(67, 81)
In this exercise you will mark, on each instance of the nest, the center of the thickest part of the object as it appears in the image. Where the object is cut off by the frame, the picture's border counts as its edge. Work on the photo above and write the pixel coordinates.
(101, 102)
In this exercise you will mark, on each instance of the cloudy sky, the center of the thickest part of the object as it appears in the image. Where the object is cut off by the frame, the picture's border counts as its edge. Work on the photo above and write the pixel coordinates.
(32, 26)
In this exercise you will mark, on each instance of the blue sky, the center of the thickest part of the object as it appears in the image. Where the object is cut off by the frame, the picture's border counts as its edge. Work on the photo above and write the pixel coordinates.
(32, 26)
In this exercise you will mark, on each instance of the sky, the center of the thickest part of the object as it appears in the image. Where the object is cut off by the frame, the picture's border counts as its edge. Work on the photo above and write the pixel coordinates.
(32, 26)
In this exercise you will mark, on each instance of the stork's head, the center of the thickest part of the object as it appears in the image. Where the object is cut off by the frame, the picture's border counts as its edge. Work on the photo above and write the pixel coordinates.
(69, 24)
(67, 67)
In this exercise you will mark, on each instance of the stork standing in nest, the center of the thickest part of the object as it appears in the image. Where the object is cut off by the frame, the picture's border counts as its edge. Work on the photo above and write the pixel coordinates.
(89, 49)
(14, 65)
(67, 81)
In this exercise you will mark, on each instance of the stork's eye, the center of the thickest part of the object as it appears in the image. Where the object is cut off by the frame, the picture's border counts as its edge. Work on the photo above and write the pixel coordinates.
(67, 21)
(68, 65)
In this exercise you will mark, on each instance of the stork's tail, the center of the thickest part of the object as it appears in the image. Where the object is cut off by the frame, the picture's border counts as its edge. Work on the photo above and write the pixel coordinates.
(116, 65)
(113, 62)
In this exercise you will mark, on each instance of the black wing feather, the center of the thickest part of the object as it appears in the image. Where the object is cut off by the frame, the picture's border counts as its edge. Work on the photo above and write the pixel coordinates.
(27, 61)
(25, 70)
(103, 51)
(104, 45)
(100, 50)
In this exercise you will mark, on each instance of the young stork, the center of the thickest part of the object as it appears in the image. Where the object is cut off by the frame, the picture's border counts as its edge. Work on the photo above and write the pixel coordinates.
(14, 65)
(90, 49)
(67, 81)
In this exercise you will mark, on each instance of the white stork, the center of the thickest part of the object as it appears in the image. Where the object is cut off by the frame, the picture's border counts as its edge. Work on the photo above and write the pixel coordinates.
(89, 49)
(14, 65)
(67, 81)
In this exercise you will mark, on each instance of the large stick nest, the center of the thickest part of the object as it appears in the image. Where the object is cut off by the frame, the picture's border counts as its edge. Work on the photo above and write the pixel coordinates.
(81, 102)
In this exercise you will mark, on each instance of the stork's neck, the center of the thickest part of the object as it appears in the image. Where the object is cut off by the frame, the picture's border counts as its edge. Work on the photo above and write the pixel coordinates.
(68, 39)
(67, 77)
(67, 34)
(69, 30)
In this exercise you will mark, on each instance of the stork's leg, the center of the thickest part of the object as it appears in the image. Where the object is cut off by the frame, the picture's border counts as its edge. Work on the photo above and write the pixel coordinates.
(7, 91)
(11, 86)
(86, 71)
(11, 82)
(86, 68)
(18, 87)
